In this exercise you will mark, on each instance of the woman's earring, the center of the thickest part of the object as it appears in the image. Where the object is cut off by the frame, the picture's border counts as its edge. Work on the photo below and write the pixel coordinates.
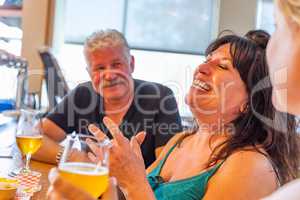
(244, 108)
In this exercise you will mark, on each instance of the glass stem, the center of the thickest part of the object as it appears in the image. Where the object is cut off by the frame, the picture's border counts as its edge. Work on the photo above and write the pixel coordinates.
(28, 156)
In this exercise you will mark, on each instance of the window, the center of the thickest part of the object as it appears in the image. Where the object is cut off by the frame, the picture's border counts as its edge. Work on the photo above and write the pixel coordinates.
(169, 25)
(10, 26)
(11, 3)
(265, 17)
(84, 17)
(166, 25)
(10, 40)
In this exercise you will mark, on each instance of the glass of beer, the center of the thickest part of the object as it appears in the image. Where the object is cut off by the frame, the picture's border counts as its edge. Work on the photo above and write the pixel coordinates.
(79, 169)
(28, 135)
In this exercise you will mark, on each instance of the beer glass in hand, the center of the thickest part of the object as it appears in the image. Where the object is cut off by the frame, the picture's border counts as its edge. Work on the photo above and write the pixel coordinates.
(76, 167)
(28, 135)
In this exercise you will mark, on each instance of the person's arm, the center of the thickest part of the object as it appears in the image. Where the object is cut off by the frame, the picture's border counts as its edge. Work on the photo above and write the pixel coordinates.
(54, 127)
(52, 135)
(246, 175)
(167, 121)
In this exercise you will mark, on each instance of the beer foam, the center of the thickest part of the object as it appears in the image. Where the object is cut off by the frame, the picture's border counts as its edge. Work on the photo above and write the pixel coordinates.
(30, 136)
(83, 168)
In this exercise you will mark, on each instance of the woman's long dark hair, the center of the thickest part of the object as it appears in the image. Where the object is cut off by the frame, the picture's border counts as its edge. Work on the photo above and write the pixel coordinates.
(261, 126)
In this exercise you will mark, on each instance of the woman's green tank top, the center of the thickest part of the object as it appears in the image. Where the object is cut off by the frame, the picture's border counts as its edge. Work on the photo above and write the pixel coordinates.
(192, 188)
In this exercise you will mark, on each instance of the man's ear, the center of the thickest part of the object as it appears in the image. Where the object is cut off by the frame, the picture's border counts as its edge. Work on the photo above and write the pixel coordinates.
(132, 63)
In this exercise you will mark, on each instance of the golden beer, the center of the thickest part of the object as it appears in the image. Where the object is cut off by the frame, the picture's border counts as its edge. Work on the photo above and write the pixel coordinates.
(8, 188)
(86, 176)
(29, 144)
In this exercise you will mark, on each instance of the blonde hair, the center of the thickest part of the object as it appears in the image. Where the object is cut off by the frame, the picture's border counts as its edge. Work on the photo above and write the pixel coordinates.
(290, 8)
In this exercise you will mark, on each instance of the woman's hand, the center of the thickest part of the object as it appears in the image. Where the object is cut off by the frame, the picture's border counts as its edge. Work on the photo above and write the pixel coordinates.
(63, 190)
(126, 161)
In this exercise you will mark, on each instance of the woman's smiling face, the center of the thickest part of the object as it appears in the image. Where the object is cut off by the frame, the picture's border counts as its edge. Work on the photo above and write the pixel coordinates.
(217, 90)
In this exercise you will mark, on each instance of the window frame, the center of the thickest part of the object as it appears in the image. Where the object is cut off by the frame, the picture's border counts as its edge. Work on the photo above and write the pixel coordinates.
(10, 11)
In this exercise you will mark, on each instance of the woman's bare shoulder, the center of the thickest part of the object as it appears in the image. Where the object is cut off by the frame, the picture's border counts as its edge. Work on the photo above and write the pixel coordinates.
(250, 161)
(245, 172)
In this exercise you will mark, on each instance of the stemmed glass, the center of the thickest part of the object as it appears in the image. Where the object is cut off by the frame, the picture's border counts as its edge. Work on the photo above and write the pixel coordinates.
(77, 168)
(28, 135)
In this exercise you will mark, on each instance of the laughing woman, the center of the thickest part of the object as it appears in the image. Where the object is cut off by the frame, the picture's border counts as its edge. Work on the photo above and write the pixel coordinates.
(242, 147)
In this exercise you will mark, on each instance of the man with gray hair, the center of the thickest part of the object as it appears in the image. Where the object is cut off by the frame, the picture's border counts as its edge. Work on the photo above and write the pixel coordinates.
(134, 105)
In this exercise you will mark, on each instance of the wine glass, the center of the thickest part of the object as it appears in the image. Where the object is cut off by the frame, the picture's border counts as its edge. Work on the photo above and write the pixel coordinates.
(77, 168)
(28, 135)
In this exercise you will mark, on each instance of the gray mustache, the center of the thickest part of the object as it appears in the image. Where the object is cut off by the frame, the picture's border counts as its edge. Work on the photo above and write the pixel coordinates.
(112, 83)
